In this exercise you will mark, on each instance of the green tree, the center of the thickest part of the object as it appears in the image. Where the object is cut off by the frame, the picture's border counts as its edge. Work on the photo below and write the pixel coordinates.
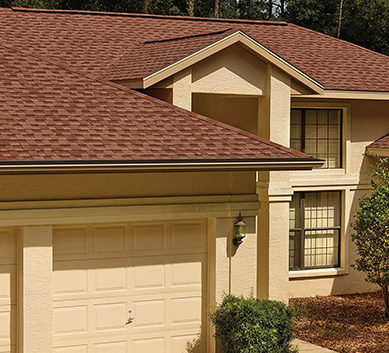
(365, 23)
(371, 227)
(319, 15)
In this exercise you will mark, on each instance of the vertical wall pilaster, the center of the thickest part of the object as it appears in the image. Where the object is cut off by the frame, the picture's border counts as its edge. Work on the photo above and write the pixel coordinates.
(273, 246)
(274, 191)
(35, 289)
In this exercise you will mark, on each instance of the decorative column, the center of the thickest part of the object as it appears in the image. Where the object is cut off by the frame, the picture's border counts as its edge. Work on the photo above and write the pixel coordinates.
(274, 191)
(35, 289)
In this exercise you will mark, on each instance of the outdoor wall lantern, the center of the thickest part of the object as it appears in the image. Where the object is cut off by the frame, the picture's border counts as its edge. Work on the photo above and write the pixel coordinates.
(239, 231)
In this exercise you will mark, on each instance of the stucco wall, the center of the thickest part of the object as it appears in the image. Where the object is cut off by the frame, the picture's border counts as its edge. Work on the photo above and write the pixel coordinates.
(240, 112)
(124, 185)
(365, 121)
(231, 71)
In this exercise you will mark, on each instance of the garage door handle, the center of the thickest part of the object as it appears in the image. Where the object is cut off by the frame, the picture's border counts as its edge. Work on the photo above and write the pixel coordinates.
(130, 319)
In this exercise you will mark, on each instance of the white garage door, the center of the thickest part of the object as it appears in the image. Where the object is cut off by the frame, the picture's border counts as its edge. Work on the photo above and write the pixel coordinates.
(7, 290)
(155, 269)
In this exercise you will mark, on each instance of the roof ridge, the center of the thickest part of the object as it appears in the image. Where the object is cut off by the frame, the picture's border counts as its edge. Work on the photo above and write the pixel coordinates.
(339, 40)
(167, 105)
(187, 37)
(170, 17)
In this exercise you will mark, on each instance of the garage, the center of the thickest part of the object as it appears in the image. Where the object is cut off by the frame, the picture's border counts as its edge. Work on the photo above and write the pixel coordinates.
(8, 289)
(158, 270)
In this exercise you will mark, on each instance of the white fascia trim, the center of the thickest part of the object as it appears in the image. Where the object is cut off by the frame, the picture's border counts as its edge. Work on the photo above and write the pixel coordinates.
(343, 94)
(54, 168)
(236, 37)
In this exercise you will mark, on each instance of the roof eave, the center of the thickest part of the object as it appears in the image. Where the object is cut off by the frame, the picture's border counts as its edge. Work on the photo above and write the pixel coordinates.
(74, 167)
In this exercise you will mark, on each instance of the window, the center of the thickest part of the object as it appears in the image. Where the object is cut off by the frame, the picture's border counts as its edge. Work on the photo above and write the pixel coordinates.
(314, 223)
(318, 132)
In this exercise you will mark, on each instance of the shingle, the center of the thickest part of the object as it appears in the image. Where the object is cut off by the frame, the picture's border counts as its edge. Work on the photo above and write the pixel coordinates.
(117, 45)
(382, 142)
(60, 114)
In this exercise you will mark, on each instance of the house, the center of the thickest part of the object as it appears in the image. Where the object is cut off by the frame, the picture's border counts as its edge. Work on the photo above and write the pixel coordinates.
(129, 146)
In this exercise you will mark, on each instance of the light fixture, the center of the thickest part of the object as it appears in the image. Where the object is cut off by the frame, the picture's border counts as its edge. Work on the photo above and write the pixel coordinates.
(239, 231)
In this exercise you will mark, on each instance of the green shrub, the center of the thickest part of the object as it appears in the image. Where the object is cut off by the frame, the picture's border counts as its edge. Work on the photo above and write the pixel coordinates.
(249, 325)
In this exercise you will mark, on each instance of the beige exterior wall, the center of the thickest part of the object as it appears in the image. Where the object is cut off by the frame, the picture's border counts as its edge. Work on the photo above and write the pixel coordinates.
(364, 121)
(123, 185)
(230, 71)
(238, 111)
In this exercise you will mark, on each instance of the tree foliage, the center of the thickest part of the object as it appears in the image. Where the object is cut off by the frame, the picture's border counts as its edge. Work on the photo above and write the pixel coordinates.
(371, 227)
(365, 23)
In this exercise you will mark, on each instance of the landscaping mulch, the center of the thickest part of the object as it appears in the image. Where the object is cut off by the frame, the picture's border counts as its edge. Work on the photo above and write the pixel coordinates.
(344, 323)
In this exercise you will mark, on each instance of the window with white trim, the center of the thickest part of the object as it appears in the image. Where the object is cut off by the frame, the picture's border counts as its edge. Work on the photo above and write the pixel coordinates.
(315, 229)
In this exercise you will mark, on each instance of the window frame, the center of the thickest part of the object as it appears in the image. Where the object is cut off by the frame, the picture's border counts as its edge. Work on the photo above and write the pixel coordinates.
(303, 131)
(302, 229)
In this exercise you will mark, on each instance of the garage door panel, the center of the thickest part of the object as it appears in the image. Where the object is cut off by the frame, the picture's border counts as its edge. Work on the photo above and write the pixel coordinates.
(70, 319)
(70, 279)
(149, 313)
(8, 246)
(7, 284)
(186, 343)
(111, 347)
(188, 272)
(149, 237)
(72, 349)
(188, 236)
(111, 276)
(70, 242)
(149, 345)
(110, 239)
(149, 274)
(110, 316)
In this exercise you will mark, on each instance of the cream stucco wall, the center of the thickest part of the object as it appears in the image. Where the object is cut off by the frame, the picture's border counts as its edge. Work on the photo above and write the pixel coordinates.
(364, 121)
(234, 110)
(231, 71)
(123, 185)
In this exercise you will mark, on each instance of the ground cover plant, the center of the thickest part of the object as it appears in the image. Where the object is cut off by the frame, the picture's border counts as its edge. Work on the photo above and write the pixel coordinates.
(346, 323)
(250, 325)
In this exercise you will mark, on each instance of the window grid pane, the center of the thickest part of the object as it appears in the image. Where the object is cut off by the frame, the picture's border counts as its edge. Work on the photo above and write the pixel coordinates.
(317, 132)
(320, 229)
(294, 250)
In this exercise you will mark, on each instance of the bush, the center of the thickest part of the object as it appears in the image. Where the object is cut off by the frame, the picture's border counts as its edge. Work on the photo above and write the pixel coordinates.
(250, 325)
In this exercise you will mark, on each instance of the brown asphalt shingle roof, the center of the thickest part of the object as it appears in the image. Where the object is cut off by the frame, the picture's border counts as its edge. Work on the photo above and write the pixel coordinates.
(382, 142)
(115, 45)
(49, 112)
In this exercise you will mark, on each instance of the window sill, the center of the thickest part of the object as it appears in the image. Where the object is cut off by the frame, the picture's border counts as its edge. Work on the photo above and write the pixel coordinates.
(322, 272)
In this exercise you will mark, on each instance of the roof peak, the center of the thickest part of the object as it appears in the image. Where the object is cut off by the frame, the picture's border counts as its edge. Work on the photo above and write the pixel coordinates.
(168, 17)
